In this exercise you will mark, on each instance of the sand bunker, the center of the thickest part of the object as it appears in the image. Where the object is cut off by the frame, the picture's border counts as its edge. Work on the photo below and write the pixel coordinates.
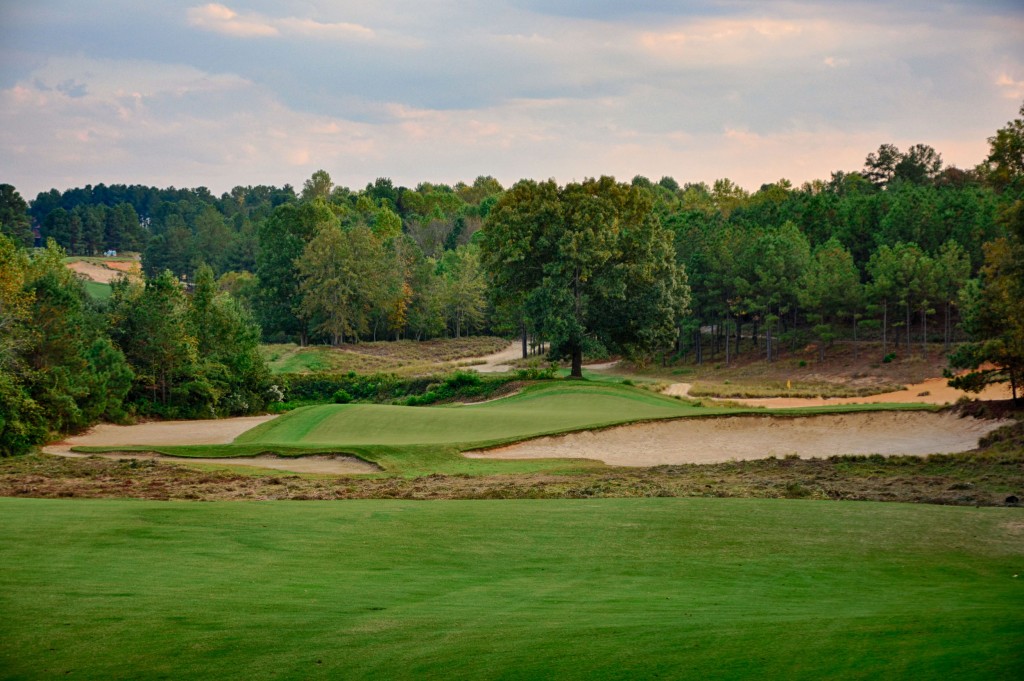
(103, 274)
(715, 440)
(931, 391)
(212, 432)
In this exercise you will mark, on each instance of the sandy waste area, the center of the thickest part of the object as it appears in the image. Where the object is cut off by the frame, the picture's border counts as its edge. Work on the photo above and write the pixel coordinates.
(104, 274)
(720, 439)
(212, 432)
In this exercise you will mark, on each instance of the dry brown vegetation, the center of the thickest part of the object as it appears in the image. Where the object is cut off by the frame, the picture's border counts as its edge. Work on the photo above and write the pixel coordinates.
(985, 477)
(405, 358)
(848, 370)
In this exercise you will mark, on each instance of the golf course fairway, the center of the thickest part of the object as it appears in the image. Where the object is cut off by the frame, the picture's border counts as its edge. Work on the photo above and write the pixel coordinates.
(616, 588)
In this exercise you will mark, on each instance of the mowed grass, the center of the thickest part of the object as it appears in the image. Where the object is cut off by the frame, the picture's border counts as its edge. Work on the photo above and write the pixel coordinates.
(669, 588)
(542, 410)
(413, 441)
(98, 290)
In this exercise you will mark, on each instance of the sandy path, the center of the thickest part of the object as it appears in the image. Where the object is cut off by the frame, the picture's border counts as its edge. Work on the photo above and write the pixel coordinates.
(497, 362)
(212, 432)
(714, 440)
(931, 391)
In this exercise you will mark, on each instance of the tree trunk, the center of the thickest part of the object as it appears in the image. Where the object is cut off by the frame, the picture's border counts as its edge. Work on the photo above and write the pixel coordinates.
(727, 338)
(908, 327)
(523, 329)
(698, 347)
(577, 361)
(885, 326)
(924, 328)
(856, 348)
(946, 328)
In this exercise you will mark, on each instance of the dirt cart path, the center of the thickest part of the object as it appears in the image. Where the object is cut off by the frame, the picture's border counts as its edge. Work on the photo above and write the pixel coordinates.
(498, 362)
(716, 440)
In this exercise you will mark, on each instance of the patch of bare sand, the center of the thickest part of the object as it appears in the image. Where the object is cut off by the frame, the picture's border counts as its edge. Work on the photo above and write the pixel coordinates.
(678, 390)
(101, 273)
(497, 362)
(932, 391)
(123, 266)
(716, 440)
(211, 432)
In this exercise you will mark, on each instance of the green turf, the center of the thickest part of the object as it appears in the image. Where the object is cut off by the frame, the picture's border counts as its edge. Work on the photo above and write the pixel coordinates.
(308, 359)
(656, 588)
(98, 290)
(546, 409)
(415, 441)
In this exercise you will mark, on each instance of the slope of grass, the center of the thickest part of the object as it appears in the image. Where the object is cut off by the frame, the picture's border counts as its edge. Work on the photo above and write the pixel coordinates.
(541, 410)
(537, 589)
(414, 441)
(98, 290)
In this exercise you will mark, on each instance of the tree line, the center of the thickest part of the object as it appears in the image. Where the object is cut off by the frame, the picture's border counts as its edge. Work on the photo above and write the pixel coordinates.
(902, 251)
(67, 360)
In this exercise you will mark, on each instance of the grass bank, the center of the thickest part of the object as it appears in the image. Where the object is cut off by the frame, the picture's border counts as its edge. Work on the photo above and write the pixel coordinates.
(554, 589)
(415, 441)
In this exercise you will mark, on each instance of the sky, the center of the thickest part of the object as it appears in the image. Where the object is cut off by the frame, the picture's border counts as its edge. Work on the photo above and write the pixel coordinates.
(188, 93)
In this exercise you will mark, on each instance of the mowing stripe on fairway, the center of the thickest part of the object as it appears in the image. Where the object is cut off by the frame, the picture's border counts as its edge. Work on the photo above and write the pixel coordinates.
(616, 588)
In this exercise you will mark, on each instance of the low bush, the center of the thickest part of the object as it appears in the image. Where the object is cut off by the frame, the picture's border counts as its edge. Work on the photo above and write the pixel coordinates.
(342, 388)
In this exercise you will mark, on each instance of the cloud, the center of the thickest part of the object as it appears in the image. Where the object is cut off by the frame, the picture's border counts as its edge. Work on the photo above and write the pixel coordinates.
(316, 29)
(1011, 87)
(834, 62)
(526, 88)
(222, 19)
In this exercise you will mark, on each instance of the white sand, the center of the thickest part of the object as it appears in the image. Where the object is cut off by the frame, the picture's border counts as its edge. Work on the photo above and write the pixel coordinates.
(714, 440)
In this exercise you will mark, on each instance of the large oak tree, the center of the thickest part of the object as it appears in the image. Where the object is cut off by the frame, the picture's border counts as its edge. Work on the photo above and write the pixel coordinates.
(589, 263)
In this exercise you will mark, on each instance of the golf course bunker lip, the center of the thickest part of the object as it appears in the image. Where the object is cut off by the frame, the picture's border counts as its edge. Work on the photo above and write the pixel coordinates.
(338, 464)
(728, 438)
(202, 432)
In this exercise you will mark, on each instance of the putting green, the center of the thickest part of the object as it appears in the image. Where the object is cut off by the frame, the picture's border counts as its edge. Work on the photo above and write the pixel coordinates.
(550, 409)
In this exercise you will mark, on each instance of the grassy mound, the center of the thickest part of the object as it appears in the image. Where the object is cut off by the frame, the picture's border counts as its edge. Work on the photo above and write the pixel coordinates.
(422, 440)
(538, 411)
(665, 588)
